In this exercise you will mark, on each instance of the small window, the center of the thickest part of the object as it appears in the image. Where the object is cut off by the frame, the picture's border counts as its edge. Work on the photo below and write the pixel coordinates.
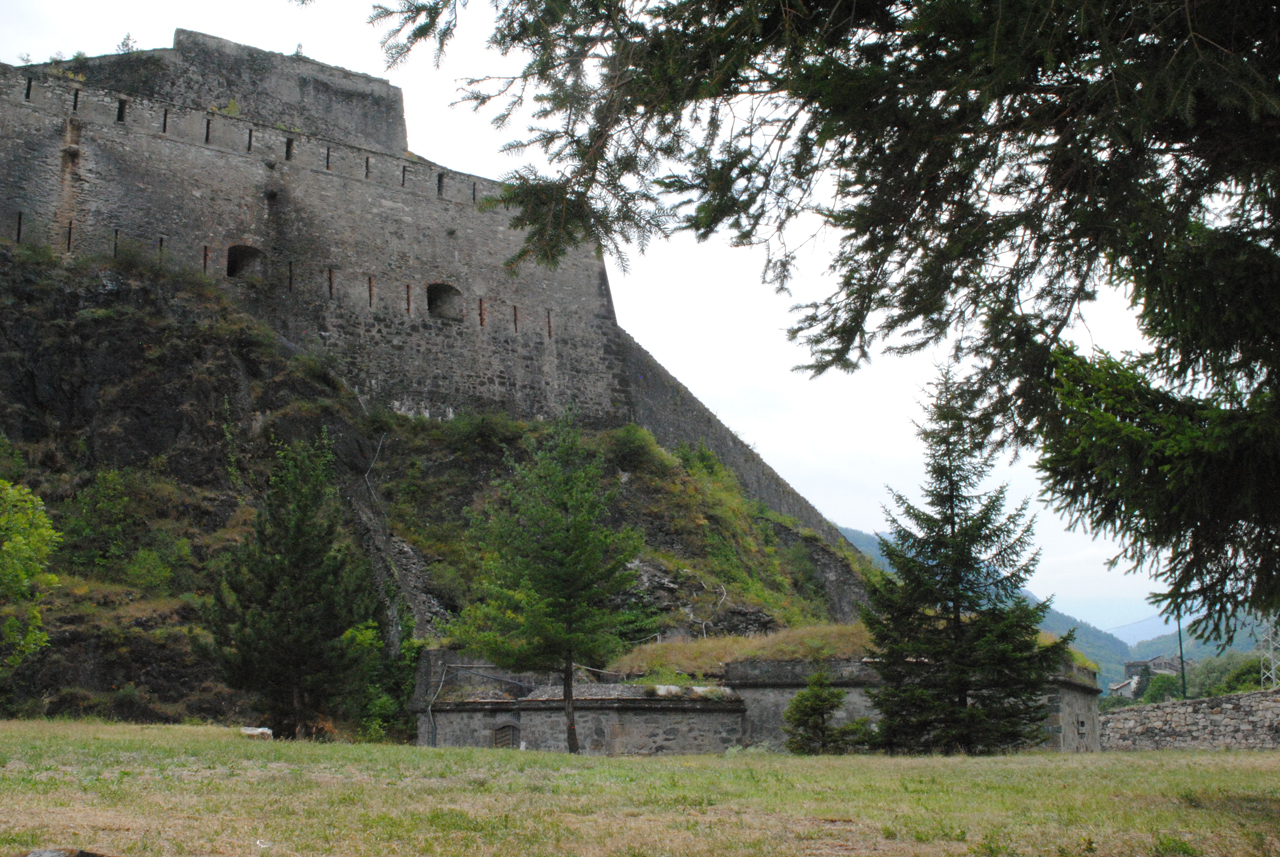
(331, 284)
(30, 81)
(19, 239)
(288, 149)
(366, 167)
(75, 100)
(506, 737)
(208, 129)
(440, 184)
(120, 106)
(404, 175)
(328, 157)
(244, 261)
(206, 255)
(249, 148)
(444, 301)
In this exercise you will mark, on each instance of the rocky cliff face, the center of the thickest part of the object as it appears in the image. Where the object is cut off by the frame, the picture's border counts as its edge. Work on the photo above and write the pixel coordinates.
(144, 406)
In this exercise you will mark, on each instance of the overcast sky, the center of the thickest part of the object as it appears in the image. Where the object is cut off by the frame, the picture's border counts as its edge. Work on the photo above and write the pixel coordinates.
(700, 309)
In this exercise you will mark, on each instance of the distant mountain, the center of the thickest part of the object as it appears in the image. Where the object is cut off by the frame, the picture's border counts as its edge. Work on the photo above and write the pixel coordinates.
(1193, 650)
(868, 543)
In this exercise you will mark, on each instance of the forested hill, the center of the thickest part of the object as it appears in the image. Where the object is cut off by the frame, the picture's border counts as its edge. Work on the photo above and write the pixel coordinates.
(1109, 651)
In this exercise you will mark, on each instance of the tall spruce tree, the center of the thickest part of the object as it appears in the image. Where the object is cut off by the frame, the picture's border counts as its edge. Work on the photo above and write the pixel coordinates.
(958, 645)
(289, 595)
(553, 568)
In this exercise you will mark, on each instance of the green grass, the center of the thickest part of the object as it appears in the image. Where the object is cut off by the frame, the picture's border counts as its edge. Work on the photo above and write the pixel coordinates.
(176, 790)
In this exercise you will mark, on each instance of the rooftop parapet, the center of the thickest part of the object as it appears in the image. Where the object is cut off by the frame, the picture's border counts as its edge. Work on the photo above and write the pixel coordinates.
(294, 93)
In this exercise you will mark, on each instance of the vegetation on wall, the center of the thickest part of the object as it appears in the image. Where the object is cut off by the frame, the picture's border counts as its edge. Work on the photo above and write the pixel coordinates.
(145, 410)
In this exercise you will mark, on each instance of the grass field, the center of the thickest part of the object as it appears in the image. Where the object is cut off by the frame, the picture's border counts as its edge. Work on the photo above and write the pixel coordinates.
(121, 789)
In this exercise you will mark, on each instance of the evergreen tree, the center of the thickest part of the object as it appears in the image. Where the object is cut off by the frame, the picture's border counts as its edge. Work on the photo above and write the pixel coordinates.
(958, 645)
(808, 721)
(988, 167)
(290, 595)
(553, 568)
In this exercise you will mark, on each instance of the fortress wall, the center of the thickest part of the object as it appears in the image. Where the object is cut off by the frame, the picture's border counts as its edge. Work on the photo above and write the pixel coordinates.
(351, 238)
(674, 415)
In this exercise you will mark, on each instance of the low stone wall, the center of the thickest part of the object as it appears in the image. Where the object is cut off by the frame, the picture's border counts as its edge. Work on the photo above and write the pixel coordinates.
(625, 726)
(1243, 721)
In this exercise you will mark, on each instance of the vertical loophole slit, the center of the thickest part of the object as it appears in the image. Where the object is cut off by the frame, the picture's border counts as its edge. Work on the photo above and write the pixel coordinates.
(164, 123)
(548, 324)
(366, 167)
(288, 149)
(404, 175)
(482, 312)
(120, 107)
(19, 239)
(30, 81)
(440, 184)
(75, 100)
(515, 318)
(249, 148)
(408, 298)
(291, 276)
(206, 256)
(208, 129)
(371, 291)
(331, 284)
(328, 157)
(70, 224)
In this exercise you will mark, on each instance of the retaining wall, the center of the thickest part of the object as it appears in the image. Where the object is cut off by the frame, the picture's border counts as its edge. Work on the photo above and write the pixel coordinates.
(1240, 721)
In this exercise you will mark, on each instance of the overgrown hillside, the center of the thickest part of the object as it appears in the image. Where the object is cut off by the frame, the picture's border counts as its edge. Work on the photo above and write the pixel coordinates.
(144, 407)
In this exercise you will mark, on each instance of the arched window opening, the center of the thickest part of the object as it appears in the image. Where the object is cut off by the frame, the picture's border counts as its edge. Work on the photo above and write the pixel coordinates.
(444, 301)
(244, 261)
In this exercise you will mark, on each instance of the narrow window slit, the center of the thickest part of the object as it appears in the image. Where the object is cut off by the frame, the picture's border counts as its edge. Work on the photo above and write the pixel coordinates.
(331, 284)
(206, 255)
(120, 105)
(115, 245)
(482, 312)
(328, 157)
(75, 100)
(30, 81)
(515, 318)
(366, 167)
(404, 175)
(208, 129)
(408, 298)
(70, 224)
(19, 227)
(371, 291)
(473, 191)
(164, 123)
(440, 184)
(288, 149)
(290, 276)
(548, 324)
(249, 148)
(160, 248)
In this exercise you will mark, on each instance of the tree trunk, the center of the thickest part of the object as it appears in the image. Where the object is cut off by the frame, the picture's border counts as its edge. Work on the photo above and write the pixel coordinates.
(570, 723)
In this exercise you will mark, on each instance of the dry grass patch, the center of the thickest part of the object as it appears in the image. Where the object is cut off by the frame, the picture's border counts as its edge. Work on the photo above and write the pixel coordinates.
(172, 790)
(708, 656)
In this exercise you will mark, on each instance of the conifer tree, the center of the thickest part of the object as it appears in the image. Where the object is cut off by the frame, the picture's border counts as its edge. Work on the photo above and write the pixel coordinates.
(553, 567)
(290, 595)
(957, 642)
(809, 721)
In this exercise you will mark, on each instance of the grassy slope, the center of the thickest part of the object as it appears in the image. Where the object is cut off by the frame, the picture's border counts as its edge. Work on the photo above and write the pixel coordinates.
(142, 406)
(199, 790)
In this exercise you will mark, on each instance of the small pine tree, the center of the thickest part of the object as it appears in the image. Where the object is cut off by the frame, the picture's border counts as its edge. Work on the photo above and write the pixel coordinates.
(288, 597)
(808, 721)
(958, 646)
(554, 569)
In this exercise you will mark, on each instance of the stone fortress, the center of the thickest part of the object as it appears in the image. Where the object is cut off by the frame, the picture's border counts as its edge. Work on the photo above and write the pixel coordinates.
(293, 179)
(291, 182)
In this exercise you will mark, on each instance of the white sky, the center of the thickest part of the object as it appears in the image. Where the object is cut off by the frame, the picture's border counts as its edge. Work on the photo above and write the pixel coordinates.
(700, 309)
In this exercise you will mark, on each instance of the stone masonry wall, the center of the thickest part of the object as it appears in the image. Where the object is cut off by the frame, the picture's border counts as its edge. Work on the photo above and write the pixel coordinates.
(630, 727)
(303, 202)
(1240, 721)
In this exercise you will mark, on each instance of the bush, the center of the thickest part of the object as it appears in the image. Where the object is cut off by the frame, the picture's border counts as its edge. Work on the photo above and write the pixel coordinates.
(633, 449)
(1163, 688)
(808, 717)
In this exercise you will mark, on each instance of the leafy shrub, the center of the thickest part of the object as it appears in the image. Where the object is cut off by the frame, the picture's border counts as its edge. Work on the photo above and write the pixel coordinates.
(1162, 688)
(634, 450)
(481, 435)
(808, 721)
